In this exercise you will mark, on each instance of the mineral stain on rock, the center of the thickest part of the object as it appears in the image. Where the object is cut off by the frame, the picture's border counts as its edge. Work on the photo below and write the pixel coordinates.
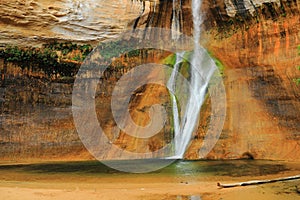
(256, 41)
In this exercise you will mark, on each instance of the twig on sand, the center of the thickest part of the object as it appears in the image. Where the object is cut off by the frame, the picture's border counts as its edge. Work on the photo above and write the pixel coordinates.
(257, 182)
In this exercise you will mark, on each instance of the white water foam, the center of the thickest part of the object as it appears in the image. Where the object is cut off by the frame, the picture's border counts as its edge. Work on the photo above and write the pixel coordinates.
(200, 75)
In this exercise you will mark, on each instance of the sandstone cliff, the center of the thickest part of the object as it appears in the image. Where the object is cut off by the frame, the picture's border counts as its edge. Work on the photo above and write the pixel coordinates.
(257, 43)
(255, 40)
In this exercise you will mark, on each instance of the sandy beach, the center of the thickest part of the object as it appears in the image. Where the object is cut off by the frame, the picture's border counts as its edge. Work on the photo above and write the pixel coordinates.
(43, 154)
(32, 182)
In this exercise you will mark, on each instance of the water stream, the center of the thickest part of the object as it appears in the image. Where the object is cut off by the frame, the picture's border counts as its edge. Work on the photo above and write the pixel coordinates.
(175, 19)
(200, 75)
(172, 86)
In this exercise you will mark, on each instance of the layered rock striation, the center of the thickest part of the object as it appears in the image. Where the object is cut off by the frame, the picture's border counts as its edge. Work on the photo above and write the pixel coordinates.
(256, 41)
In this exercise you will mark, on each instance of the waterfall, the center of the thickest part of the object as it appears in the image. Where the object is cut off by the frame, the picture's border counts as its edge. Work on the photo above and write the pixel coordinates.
(175, 26)
(172, 86)
(200, 75)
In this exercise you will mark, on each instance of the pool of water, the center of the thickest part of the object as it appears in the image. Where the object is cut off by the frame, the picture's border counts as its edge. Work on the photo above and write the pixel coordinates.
(231, 168)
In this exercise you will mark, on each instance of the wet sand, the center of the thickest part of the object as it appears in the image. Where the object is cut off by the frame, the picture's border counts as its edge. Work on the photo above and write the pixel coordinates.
(148, 189)
(93, 181)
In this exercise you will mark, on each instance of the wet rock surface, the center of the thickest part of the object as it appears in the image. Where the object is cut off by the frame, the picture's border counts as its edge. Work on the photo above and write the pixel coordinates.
(257, 45)
(36, 119)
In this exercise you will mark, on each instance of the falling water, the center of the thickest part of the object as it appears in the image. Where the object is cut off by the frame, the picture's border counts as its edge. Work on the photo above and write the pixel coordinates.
(200, 75)
(175, 20)
(172, 87)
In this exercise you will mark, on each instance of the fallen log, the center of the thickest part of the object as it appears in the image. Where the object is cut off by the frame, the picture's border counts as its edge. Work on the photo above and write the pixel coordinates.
(257, 182)
(297, 189)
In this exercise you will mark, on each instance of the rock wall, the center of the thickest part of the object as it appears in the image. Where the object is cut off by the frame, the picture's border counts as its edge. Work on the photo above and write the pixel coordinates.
(36, 117)
(263, 100)
(258, 47)
(257, 43)
(261, 62)
(35, 22)
(36, 120)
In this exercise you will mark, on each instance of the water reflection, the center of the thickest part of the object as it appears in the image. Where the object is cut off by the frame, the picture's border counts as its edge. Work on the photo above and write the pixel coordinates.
(188, 169)
(192, 197)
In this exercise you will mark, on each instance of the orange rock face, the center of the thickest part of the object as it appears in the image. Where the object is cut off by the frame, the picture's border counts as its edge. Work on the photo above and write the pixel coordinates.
(263, 106)
(258, 48)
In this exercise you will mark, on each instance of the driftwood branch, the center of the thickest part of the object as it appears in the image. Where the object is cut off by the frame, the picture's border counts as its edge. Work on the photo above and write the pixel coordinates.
(257, 182)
